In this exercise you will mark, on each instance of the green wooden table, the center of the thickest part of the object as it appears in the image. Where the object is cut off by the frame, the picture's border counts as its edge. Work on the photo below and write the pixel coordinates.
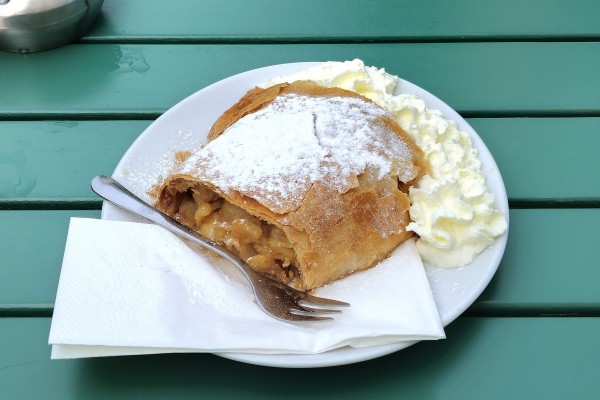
(525, 74)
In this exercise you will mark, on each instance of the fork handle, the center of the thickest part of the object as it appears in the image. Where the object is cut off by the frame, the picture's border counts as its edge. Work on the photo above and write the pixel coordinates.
(112, 191)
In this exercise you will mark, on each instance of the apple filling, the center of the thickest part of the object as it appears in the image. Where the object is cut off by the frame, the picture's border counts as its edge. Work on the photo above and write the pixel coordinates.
(263, 246)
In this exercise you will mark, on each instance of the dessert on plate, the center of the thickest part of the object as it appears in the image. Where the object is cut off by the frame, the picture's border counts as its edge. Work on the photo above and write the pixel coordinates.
(304, 182)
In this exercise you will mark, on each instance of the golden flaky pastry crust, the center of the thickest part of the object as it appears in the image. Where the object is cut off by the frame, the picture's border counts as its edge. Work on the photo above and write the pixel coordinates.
(333, 233)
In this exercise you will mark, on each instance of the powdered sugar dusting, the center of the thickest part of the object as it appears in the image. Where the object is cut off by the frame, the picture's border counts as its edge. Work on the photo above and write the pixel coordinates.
(146, 169)
(275, 154)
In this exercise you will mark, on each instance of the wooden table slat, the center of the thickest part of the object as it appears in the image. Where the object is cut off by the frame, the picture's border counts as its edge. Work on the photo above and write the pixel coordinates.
(549, 247)
(530, 152)
(124, 81)
(76, 150)
(32, 244)
(344, 20)
(547, 261)
(491, 358)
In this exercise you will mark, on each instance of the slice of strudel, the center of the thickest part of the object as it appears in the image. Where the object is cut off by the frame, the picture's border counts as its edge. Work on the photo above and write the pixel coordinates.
(306, 183)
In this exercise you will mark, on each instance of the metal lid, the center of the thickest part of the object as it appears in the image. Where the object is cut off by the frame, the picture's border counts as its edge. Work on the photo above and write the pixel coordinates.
(34, 25)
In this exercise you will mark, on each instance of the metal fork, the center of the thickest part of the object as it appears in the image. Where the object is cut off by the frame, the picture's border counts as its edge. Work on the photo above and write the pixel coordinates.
(278, 300)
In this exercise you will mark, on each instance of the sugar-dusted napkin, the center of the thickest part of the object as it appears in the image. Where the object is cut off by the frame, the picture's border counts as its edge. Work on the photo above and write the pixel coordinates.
(130, 288)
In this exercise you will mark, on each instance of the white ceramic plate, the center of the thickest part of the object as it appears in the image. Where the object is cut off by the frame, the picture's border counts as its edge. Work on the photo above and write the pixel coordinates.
(184, 126)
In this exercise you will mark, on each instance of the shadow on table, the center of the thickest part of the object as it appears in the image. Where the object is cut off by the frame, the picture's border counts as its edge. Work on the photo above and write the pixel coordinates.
(411, 371)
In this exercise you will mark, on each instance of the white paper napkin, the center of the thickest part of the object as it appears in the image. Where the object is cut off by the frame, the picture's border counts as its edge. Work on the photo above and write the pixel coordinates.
(130, 288)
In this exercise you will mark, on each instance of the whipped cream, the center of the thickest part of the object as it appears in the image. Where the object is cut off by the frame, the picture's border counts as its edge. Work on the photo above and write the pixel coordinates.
(451, 209)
